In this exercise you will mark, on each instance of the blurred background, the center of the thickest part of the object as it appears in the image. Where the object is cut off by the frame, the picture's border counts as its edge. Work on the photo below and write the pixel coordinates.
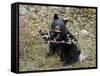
(33, 49)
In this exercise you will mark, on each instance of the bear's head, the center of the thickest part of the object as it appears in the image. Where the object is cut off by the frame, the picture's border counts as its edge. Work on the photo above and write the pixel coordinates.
(58, 27)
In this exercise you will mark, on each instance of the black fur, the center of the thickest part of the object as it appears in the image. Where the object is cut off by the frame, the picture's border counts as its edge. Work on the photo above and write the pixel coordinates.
(63, 42)
(55, 16)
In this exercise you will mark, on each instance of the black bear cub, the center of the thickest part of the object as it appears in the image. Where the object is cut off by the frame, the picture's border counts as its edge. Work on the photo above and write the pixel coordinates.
(62, 42)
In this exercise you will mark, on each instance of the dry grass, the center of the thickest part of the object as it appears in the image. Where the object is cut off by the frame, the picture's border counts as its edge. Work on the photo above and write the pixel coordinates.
(33, 50)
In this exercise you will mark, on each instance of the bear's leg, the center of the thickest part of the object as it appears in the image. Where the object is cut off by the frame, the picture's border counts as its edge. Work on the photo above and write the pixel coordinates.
(52, 48)
(74, 55)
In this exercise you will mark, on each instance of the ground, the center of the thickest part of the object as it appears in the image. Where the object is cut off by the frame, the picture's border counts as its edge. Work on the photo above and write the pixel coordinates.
(33, 49)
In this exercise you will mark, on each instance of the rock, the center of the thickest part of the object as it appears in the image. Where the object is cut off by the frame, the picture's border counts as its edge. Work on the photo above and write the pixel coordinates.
(84, 33)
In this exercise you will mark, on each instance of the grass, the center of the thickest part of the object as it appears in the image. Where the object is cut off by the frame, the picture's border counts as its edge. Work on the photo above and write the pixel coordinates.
(33, 49)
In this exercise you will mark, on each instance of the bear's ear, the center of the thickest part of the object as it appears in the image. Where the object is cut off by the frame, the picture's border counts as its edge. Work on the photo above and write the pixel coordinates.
(65, 19)
(56, 16)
